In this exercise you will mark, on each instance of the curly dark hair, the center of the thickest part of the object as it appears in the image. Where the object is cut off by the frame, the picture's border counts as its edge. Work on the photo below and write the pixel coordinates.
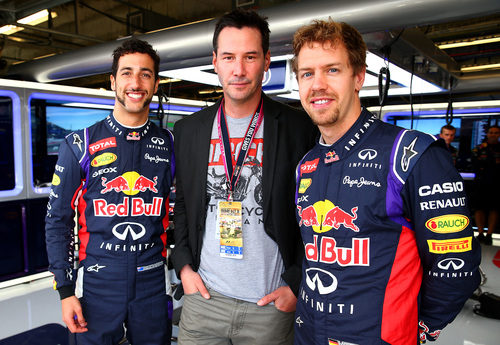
(323, 31)
(242, 18)
(132, 46)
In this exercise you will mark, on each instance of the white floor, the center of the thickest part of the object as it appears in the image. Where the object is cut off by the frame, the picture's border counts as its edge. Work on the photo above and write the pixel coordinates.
(31, 304)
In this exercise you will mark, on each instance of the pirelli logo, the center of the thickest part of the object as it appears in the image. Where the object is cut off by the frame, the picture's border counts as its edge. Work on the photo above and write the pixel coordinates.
(456, 245)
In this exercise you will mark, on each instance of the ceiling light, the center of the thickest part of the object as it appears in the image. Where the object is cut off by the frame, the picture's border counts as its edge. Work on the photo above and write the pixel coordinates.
(476, 41)
(400, 79)
(169, 80)
(33, 19)
(37, 18)
(480, 67)
(9, 29)
(207, 92)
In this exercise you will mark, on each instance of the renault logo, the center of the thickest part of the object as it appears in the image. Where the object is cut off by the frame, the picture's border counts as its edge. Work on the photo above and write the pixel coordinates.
(121, 230)
(456, 263)
(367, 154)
(321, 279)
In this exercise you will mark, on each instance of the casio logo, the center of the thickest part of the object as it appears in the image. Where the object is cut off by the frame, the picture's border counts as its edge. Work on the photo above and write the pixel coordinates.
(444, 188)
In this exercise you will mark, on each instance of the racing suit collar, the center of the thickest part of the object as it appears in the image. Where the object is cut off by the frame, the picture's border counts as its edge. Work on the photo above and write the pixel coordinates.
(341, 148)
(129, 133)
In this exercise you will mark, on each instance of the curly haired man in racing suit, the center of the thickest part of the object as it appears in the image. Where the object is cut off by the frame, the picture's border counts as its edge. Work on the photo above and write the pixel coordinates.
(117, 174)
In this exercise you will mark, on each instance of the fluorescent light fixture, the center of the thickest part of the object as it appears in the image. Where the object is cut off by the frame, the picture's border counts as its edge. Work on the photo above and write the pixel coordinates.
(9, 29)
(169, 80)
(400, 79)
(204, 74)
(88, 105)
(37, 18)
(33, 19)
(476, 41)
(480, 67)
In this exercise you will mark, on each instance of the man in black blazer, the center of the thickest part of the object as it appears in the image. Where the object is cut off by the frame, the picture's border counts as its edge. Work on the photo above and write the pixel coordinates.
(245, 294)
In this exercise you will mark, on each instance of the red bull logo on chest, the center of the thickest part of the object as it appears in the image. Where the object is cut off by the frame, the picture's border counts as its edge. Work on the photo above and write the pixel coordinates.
(130, 183)
(327, 251)
(322, 216)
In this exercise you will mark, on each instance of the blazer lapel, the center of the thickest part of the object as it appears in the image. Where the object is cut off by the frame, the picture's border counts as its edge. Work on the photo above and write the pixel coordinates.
(201, 138)
(271, 115)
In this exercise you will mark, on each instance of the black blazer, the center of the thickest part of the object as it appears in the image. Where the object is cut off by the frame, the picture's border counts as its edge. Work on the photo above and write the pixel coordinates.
(288, 135)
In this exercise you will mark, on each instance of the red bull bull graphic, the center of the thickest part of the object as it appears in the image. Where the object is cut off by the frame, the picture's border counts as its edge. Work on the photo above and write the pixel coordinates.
(125, 182)
(330, 157)
(118, 184)
(322, 216)
(133, 136)
(328, 252)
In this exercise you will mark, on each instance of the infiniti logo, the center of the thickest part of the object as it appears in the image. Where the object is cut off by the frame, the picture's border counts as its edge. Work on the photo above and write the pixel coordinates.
(367, 154)
(451, 262)
(121, 230)
(157, 141)
(313, 280)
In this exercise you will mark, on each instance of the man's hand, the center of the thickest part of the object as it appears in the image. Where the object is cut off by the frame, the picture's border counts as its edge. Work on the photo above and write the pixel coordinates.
(283, 298)
(192, 282)
(72, 315)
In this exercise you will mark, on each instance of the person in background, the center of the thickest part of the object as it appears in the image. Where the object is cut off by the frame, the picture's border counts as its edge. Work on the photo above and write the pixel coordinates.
(389, 252)
(447, 133)
(486, 192)
(237, 246)
(118, 174)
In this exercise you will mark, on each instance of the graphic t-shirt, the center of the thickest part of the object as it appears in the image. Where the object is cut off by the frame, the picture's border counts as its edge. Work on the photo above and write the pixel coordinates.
(259, 271)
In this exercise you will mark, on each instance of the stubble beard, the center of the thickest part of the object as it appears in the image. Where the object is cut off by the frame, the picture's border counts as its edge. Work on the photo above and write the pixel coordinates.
(329, 117)
(144, 105)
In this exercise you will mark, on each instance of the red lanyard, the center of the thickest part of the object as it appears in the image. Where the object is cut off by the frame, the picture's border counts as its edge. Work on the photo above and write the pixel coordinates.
(232, 176)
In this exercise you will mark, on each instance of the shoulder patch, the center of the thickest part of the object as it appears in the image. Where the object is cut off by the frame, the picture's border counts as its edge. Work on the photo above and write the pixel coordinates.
(78, 142)
(406, 150)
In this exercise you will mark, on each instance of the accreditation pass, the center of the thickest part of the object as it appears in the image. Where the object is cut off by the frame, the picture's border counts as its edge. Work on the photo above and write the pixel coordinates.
(229, 224)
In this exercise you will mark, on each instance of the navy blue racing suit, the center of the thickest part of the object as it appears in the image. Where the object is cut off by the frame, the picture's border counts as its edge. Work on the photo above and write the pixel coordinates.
(389, 248)
(118, 179)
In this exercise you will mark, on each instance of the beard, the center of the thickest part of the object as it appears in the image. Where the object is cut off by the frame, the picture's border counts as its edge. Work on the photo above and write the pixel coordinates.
(121, 100)
(325, 117)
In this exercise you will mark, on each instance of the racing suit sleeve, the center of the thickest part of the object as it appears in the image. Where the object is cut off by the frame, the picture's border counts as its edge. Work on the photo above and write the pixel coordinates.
(436, 204)
(59, 222)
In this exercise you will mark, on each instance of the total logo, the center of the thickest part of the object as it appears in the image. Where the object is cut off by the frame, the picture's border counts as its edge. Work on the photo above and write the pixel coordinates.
(130, 183)
(322, 216)
(102, 144)
(309, 166)
(321, 280)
